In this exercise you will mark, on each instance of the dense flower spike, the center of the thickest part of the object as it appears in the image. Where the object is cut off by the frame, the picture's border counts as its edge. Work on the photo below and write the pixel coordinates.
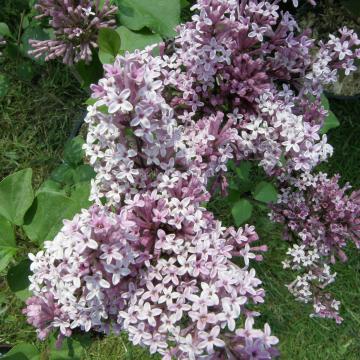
(319, 213)
(165, 282)
(239, 82)
(76, 25)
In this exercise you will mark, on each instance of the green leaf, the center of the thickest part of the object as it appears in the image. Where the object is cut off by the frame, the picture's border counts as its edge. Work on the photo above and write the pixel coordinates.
(18, 279)
(80, 196)
(22, 351)
(16, 196)
(325, 102)
(161, 16)
(73, 152)
(243, 170)
(84, 173)
(265, 192)
(109, 41)
(26, 71)
(7, 243)
(106, 58)
(184, 3)
(51, 186)
(63, 174)
(90, 73)
(242, 211)
(331, 122)
(45, 218)
(4, 85)
(131, 40)
(71, 348)
(4, 30)
(34, 33)
(233, 196)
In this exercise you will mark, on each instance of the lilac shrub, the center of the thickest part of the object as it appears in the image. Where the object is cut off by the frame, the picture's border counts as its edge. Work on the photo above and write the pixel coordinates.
(76, 25)
(160, 266)
(239, 82)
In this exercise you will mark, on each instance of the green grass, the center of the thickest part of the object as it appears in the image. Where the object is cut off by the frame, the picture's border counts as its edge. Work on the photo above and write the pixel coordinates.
(37, 117)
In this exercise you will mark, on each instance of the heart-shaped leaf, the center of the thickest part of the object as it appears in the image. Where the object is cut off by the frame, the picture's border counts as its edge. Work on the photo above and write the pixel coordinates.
(23, 351)
(242, 211)
(45, 217)
(161, 16)
(265, 192)
(16, 196)
(109, 41)
(18, 279)
(243, 170)
(7, 243)
(4, 30)
(131, 40)
(73, 151)
(331, 122)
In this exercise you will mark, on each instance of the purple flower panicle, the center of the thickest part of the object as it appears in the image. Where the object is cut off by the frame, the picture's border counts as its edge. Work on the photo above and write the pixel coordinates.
(76, 25)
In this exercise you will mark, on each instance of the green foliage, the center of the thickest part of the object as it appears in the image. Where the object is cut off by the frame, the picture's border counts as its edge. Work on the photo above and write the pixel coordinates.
(265, 192)
(4, 85)
(16, 196)
(27, 71)
(160, 16)
(34, 33)
(58, 198)
(7, 243)
(90, 73)
(18, 279)
(73, 151)
(23, 351)
(62, 196)
(71, 348)
(331, 120)
(109, 45)
(4, 30)
(46, 215)
(242, 211)
(243, 170)
(132, 40)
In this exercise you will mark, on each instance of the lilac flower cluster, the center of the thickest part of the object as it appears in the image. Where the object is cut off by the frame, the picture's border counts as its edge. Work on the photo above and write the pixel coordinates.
(157, 281)
(164, 256)
(319, 214)
(251, 60)
(76, 25)
(239, 82)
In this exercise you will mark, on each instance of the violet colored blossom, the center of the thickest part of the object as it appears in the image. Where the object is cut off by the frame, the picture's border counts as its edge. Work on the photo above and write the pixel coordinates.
(323, 218)
(76, 25)
(157, 281)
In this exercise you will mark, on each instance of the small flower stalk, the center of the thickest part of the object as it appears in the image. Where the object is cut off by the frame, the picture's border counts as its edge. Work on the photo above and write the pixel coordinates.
(321, 215)
(76, 25)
